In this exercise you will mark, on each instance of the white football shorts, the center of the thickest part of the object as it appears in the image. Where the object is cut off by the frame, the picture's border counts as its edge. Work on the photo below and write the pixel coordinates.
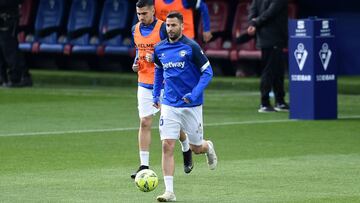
(188, 119)
(145, 102)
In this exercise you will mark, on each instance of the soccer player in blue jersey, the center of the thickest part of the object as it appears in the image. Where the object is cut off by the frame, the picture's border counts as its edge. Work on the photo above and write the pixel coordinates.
(185, 70)
(146, 33)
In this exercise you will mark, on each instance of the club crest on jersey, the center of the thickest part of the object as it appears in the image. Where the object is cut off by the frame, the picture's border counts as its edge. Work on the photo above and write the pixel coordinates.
(301, 55)
(182, 53)
(325, 55)
(161, 56)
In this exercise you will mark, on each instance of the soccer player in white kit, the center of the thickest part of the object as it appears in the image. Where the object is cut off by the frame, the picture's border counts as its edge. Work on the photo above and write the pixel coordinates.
(185, 70)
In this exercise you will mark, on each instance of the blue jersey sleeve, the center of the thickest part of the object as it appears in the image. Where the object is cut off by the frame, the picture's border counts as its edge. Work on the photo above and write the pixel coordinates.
(158, 77)
(205, 16)
(199, 58)
(202, 62)
(163, 33)
(204, 81)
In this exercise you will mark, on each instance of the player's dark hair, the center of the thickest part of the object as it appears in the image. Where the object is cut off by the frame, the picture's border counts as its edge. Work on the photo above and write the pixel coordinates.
(143, 3)
(176, 14)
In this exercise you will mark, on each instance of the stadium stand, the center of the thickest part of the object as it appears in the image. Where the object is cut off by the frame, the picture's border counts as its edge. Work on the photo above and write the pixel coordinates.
(218, 11)
(103, 28)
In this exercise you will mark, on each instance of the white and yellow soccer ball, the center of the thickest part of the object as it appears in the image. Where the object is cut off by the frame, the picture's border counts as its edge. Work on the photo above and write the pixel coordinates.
(146, 180)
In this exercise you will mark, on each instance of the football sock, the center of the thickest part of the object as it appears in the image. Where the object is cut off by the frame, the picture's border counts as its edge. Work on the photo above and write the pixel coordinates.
(144, 158)
(185, 145)
(169, 186)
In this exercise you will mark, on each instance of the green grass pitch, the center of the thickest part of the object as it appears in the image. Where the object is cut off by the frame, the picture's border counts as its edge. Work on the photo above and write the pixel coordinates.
(79, 144)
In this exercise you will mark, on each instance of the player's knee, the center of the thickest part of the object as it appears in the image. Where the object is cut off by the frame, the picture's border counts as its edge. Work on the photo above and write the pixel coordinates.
(145, 123)
(168, 146)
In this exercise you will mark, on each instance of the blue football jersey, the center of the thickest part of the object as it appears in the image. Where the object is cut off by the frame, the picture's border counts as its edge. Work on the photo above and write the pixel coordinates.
(184, 69)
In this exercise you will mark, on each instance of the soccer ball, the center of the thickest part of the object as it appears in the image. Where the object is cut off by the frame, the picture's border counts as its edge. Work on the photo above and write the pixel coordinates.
(146, 180)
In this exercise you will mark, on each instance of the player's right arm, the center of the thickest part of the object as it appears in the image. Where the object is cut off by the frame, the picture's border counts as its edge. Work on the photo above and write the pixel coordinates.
(135, 66)
(200, 5)
(163, 33)
(158, 80)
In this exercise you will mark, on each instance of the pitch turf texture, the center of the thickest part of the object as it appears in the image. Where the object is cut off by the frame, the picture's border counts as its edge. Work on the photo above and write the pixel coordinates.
(79, 144)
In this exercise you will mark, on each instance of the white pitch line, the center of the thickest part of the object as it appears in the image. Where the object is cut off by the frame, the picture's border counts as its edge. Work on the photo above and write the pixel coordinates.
(136, 128)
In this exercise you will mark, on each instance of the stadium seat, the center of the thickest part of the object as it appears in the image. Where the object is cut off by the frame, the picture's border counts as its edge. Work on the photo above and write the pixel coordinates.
(240, 25)
(48, 23)
(25, 22)
(81, 26)
(113, 25)
(218, 11)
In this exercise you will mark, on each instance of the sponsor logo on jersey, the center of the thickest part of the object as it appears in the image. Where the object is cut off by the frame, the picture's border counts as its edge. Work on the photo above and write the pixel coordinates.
(173, 65)
(145, 46)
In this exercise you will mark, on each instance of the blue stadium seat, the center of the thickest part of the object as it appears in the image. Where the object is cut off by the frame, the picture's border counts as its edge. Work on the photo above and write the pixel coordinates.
(48, 23)
(80, 27)
(113, 26)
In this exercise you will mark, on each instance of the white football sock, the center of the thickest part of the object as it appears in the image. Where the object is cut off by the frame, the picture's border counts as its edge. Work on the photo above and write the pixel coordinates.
(144, 158)
(169, 183)
(185, 146)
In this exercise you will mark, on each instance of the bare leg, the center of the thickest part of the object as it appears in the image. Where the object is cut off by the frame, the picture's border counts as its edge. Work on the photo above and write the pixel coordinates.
(168, 167)
(145, 133)
(207, 148)
(144, 140)
(201, 149)
(182, 136)
(168, 163)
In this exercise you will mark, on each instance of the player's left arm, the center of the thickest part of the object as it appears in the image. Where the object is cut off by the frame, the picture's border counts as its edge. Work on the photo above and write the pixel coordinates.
(200, 5)
(202, 62)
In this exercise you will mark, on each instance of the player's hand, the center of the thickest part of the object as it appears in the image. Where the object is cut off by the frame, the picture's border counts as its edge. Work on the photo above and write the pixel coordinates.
(207, 36)
(187, 98)
(156, 102)
(251, 30)
(135, 67)
(149, 58)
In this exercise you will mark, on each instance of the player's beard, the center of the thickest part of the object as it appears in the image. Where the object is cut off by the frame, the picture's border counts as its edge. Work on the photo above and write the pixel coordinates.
(173, 35)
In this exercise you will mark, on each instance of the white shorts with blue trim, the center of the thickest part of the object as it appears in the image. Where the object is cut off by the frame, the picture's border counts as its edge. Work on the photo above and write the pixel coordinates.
(188, 119)
(145, 102)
